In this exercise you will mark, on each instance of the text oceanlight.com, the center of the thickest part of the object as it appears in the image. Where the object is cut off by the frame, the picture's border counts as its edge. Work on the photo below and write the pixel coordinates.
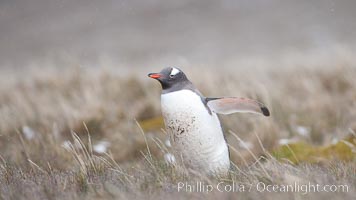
(297, 187)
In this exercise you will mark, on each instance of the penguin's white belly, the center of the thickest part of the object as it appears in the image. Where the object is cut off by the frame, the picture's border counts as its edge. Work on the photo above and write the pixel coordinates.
(195, 134)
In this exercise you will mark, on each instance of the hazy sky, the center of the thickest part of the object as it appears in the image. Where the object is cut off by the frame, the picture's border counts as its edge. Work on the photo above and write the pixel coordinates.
(144, 33)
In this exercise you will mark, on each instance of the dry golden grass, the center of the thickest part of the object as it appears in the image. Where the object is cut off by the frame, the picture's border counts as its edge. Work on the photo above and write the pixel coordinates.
(51, 121)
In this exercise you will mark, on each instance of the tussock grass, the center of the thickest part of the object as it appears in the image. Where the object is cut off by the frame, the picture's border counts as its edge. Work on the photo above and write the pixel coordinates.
(50, 123)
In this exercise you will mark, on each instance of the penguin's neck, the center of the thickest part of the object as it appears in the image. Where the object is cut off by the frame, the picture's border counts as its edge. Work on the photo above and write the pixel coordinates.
(178, 86)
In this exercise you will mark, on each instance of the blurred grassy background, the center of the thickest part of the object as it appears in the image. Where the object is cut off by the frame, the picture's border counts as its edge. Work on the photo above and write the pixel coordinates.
(312, 125)
(314, 106)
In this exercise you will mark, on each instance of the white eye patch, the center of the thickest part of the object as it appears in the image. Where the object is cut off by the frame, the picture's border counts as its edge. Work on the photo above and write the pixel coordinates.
(174, 71)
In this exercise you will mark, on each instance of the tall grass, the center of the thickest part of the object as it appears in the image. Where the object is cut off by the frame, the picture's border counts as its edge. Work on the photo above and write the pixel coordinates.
(51, 124)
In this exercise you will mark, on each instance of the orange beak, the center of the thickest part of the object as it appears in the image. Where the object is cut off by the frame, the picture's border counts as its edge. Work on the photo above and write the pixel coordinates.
(154, 75)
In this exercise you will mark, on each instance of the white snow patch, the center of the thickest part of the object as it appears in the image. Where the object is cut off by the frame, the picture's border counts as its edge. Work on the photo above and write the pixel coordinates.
(286, 141)
(168, 143)
(303, 130)
(334, 140)
(67, 145)
(28, 132)
(169, 158)
(246, 145)
(101, 147)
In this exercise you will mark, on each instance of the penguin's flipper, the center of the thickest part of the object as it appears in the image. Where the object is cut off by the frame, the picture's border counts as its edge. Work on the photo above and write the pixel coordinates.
(229, 105)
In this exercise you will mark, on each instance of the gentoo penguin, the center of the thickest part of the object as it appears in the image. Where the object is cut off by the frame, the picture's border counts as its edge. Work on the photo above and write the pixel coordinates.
(193, 125)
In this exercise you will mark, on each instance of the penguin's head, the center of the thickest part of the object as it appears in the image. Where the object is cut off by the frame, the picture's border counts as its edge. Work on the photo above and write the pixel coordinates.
(170, 77)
